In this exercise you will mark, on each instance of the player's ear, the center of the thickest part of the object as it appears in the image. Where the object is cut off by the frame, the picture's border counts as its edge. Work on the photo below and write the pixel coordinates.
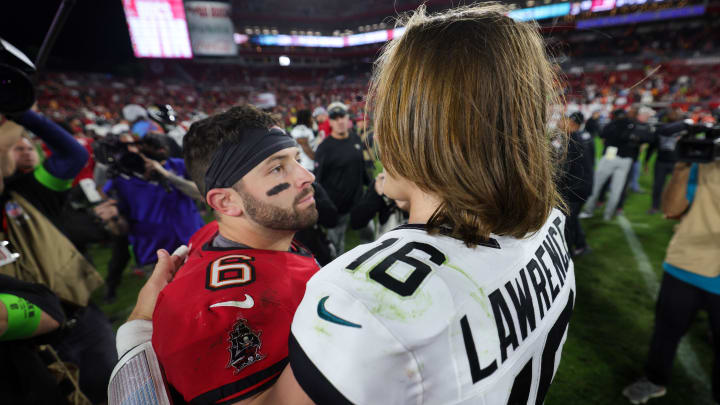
(225, 201)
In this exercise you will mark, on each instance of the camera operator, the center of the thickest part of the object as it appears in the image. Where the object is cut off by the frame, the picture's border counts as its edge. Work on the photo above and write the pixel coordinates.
(114, 224)
(31, 201)
(155, 203)
(623, 137)
(165, 116)
(25, 155)
(664, 144)
(46, 186)
(691, 279)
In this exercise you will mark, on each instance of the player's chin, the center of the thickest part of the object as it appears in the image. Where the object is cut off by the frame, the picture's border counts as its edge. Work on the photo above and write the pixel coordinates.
(311, 211)
(309, 215)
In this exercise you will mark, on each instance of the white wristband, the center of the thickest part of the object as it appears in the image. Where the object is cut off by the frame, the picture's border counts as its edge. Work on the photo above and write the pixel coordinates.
(131, 334)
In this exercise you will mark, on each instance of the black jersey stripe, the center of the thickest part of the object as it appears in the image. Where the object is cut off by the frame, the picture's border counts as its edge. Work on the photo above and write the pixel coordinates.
(260, 388)
(312, 380)
(234, 387)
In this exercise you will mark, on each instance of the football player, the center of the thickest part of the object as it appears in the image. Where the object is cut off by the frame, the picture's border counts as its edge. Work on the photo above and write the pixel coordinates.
(221, 327)
(470, 302)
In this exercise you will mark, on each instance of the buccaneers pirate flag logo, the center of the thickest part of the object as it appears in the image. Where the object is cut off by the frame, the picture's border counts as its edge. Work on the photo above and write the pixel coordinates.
(244, 346)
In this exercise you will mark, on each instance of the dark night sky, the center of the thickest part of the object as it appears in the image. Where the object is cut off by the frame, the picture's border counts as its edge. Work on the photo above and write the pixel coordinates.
(94, 37)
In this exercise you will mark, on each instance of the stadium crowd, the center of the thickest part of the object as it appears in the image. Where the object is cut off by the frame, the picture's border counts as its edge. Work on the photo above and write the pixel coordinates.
(99, 99)
(100, 159)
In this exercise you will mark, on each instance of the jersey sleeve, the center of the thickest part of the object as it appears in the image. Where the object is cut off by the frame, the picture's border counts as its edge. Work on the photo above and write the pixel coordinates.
(340, 353)
(68, 157)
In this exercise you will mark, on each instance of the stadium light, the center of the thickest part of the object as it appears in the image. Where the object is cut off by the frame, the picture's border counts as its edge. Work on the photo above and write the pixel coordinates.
(284, 61)
(240, 38)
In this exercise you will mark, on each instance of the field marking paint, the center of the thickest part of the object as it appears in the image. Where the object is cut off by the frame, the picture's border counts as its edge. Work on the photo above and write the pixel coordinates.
(687, 356)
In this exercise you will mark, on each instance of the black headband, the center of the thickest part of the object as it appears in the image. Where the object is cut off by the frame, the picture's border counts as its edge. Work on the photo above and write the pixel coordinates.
(233, 160)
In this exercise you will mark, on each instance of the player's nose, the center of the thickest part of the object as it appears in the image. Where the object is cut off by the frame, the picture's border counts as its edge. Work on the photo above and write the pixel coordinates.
(304, 176)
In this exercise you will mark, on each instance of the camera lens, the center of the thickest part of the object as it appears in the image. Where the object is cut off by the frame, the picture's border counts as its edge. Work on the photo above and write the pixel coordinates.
(16, 90)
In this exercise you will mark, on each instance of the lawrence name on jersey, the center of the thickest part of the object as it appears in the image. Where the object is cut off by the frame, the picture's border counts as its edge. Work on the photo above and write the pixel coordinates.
(415, 318)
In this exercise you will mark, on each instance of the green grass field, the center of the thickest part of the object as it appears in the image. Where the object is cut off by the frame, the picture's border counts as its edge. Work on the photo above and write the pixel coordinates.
(612, 323)
(610, 330)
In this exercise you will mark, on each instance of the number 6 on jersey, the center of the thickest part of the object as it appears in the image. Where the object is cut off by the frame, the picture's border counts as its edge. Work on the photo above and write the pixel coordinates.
(230, 271)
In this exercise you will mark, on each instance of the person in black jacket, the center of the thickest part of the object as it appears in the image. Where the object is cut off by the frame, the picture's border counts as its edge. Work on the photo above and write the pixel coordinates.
(592, 125)
(390, 213)
(314, 238)
(340, 169)
(576, 182)
(623, 137)
(667, 136)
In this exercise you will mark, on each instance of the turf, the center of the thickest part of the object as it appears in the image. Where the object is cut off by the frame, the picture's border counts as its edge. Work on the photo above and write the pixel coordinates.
(611, 325)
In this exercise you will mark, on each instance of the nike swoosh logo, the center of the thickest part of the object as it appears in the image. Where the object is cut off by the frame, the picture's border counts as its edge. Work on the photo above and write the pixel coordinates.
(246, 303)
(326, 315)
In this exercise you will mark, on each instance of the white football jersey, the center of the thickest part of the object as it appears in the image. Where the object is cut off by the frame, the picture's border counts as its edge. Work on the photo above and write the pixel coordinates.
(414, 318)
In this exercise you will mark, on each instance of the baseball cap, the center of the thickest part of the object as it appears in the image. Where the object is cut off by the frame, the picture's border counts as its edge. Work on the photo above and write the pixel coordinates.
(318, 111)
(337, 109)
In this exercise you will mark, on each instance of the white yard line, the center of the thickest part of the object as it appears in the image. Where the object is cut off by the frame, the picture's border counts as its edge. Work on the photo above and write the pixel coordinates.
(686, 354)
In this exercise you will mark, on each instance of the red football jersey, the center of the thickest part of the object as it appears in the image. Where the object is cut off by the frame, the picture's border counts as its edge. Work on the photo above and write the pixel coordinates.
(221, 327)
(202, 236)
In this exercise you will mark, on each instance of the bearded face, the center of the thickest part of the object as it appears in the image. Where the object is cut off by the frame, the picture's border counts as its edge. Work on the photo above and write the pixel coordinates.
(295, 217)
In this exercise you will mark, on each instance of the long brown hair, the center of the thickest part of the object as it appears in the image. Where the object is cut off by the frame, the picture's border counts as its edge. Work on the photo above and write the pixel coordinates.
(461, 103)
